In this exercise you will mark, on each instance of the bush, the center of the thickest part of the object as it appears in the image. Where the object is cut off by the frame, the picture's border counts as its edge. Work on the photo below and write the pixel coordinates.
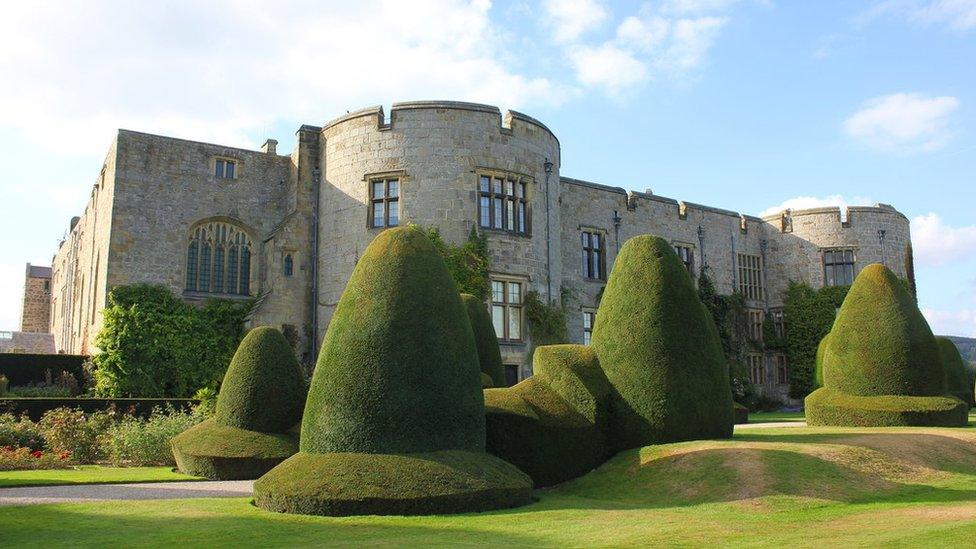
(827, 406)
(15, 459)
(38, 391)
(71, 431)
(416, 484)
(20, 432)
(398, 374)
(216, 451)
(660, 351)
(35, 408)
(741, 413)
(25, 369)
(137, 441)
(881, 364)
(552, 425)
(398, 371)
(485, 339)
(153, 344)
(958, 382)
(810, 314)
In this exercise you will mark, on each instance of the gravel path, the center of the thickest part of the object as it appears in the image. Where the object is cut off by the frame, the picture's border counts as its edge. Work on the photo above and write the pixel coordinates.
(33, 495)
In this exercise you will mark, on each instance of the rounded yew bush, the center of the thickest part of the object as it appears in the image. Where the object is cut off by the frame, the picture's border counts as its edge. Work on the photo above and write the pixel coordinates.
(485, 339)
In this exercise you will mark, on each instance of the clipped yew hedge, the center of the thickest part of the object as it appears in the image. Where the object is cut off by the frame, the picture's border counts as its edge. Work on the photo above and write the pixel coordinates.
(25, 368)
(485, 339)
(261, 398)
(829, 407)
(660, 351)
(552, 425)
(958, 381)
(35, 407)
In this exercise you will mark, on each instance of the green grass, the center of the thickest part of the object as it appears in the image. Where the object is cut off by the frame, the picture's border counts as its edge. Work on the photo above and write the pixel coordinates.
(766, 487)
(89, 474)
(764, 417)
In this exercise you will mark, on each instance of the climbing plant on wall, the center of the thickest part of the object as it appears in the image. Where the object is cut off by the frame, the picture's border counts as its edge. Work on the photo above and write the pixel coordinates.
(468, 262)
(810, 314)
(728, 312)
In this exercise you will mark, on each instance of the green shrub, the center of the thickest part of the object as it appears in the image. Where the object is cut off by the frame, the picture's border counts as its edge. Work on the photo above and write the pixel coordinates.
(486, 381)
(660, 351)
(71, 431)
(552, 425)
(398, 371)
(217, 451)
(810, 314)
(818, 363)
(826, 406)
(443, 482)
(958, 382)
(741, 413)
(485, 339)
(153, 344)
(395, 420)
(39, 391)
(20, 432)
(18, 459)
(145, 441)
(207, 398)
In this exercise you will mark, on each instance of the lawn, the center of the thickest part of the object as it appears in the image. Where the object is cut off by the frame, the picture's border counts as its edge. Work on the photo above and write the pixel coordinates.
(89, 474)
(767, 487)
(763, 417)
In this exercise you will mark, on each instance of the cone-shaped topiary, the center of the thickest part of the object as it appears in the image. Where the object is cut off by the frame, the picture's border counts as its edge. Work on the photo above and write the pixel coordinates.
(395, 420)
(881, 365)
(660, 351)
(260, 399)
(958, 382)
(553, 424)
(485, 339)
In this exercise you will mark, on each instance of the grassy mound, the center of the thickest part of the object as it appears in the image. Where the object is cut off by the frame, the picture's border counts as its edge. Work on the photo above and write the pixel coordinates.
(260, 400)
(342, 484)
(827, 406)
(395, 417)
(217, 451)
(660, 351)
(553, 424)
(485, 339)
(958, 382)
(880, 343)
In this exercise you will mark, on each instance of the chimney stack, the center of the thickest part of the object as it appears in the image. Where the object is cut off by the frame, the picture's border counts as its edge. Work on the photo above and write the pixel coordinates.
(270, 146)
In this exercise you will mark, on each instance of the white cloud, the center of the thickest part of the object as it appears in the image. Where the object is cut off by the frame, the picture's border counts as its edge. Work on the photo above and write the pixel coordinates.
(935, 243)
(573, 18)
(959, 15)
(957, 323)
(807, 202)
(219, 71)
(608, 66)
(903, 122)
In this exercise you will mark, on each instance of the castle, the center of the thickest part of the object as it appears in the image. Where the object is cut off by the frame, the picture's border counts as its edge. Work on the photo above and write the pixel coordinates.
(214, 221)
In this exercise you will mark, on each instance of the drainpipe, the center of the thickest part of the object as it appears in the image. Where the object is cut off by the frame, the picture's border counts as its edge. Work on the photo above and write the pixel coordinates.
(548, 167)
(316, 177)
(701, 246)
(881, 240)
(616, 230)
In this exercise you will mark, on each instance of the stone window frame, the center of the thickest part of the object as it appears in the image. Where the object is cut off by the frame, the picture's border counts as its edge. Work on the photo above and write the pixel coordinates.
(507, 306)
(832, 281)
(288, 264)
(386, 177)
(756, 366)
(589, 314)
(781, 367)
(254, 261)
(521, 205)
(588, 251)
(750, 284)
(236, 162)
(754, 323)
(779, 321)
(689, 261)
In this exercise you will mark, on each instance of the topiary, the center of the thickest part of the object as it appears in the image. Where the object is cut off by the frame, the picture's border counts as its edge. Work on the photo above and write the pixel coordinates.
(881, 352)
(553, 424)
(660, 351)
(397, 380)
(957, 376)
(740, 413)
(485, 339)
(818, 363)
(260, 399)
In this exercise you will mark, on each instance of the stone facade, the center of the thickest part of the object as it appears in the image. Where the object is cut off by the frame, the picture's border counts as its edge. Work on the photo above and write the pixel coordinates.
(309, 216)
(35, 315)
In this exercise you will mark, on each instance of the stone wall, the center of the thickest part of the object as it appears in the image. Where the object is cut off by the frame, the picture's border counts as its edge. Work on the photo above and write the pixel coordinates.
(35, 315)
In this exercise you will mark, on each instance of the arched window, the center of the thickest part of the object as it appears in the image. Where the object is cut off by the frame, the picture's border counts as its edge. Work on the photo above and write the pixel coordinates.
(289, 265)
(218, 259)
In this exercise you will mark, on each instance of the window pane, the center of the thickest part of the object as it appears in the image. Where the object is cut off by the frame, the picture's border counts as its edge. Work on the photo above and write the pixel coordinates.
(497, 291)
(219, 168)
(484, 183)
(828, 257)
(205, 268)
(510, 215)
(484, 212)
(245, 271)
(596, 241)
(229, 170)
(497, 186)
(378, 214)
(394, 213)
(520, 190)
(585, 239)
(393, 188)
(233, 266)
(586, 321)
(498, 320)
(586, 264)
(514, 292)
(498, 213)
(378, 189)
(515, 323)
(218, 277)
(521, 218)
(510, 187)
(191, 267)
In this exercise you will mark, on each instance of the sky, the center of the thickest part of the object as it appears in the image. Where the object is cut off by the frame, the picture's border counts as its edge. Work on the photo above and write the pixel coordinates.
(748, 105)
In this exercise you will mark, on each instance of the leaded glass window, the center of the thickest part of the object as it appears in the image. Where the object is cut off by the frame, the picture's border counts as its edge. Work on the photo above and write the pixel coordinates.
(218, 259)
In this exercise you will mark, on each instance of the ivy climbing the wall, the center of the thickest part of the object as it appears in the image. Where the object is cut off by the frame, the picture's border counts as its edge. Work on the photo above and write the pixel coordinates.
(728, 312)
(468, 263)
(809, 314)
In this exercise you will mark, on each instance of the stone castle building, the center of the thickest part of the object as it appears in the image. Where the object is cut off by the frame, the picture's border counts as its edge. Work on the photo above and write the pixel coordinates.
(209, 220)
(35, 313)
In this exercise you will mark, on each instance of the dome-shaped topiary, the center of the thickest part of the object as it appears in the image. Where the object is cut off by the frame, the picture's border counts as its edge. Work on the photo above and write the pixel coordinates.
(881, 364)
(958, 382)
(880, 343)
(261, 398)
(818, 362)
(660, 351)
(263, 389)
(397, 386)
(485, 339)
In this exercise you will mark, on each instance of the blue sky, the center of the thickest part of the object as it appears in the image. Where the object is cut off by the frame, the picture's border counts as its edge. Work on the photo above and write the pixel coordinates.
(746, 105)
